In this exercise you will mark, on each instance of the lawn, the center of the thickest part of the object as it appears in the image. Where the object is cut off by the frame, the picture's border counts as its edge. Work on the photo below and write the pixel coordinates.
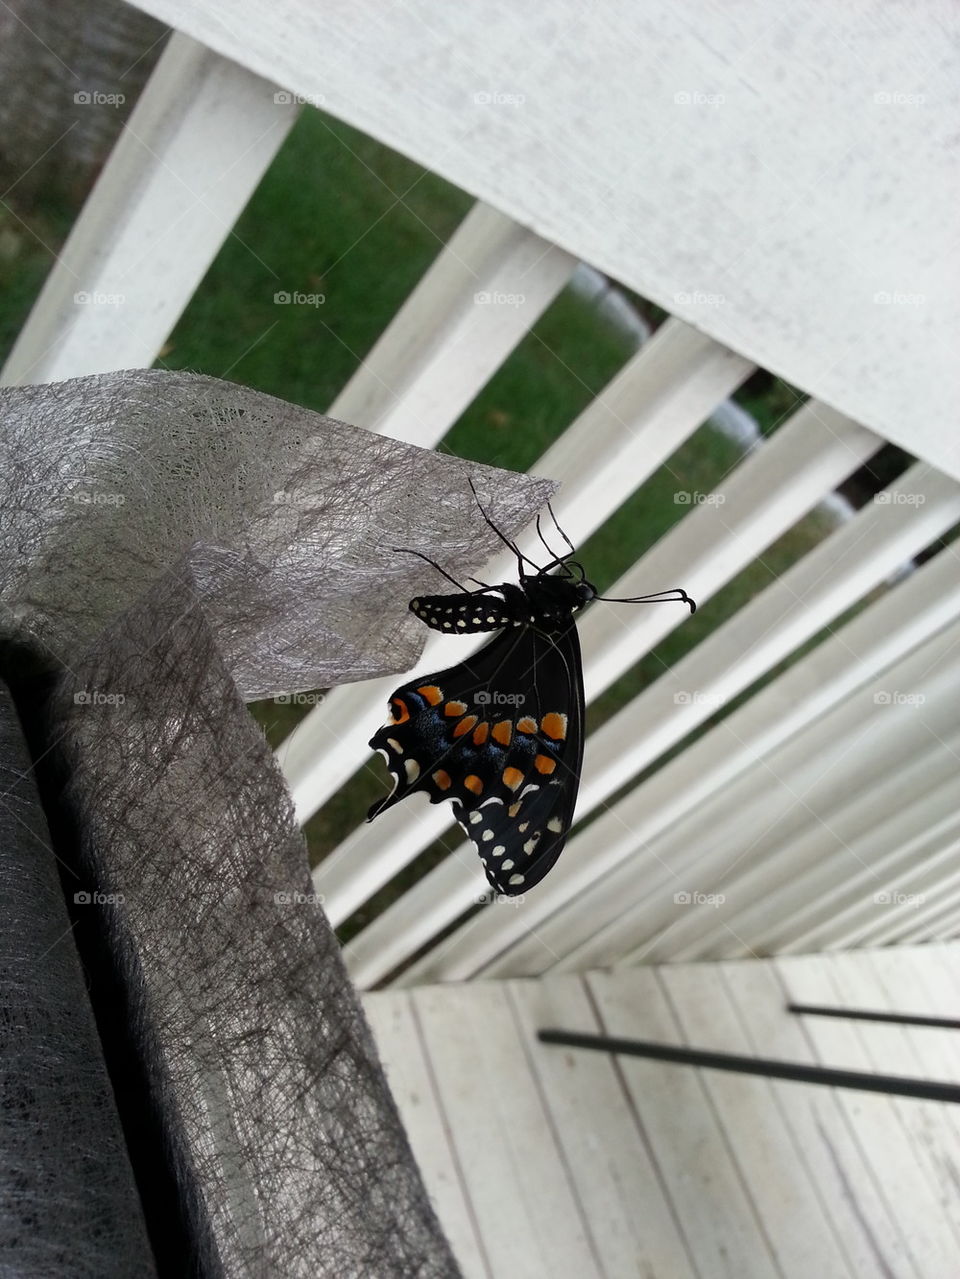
(327, 219)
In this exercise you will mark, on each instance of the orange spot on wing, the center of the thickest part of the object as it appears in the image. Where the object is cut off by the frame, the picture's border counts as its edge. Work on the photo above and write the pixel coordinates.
(399, 711)
(465, 726)
(442, 779)
(544, 764)
(473, 783)
(502, 732)
(512, 777)
(526, 725)
(513, 809)
(455, 708)
(554, 726)
(480, 734)
(431, 693)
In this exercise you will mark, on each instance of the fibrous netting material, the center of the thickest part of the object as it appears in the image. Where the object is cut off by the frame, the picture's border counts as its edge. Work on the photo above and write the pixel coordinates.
(174, 546)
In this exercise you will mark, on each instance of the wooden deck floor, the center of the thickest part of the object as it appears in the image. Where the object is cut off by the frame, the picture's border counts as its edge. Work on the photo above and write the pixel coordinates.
(543, 1161)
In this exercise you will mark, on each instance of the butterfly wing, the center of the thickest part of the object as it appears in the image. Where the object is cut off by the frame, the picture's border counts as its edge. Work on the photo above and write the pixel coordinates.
(501, 736)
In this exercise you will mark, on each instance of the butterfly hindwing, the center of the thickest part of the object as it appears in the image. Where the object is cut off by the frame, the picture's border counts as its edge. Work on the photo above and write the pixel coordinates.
(501, 735)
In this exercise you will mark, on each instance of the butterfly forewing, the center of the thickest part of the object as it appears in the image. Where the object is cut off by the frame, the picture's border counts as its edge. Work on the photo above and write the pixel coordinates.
(501, 735)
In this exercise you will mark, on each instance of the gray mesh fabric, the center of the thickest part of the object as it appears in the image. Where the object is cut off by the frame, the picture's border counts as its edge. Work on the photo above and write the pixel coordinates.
(174, 546)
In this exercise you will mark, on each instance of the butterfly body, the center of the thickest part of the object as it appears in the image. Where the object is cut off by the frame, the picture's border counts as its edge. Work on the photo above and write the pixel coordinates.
(546, 602)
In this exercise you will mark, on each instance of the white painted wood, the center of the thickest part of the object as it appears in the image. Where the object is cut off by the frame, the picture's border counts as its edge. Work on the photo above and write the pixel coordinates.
(857, 826)
(686, 1139)
(938, 923)
(924, 859)
(189, 158)
(521, 1190)
(909, 920)
(631, 1218)
(858, 556)
(655, 403)
(852, 1192)
(778, 483)
(631, 911)
(893, 625)
(771, 1163)
(931, 1128)
(770, 1178)
(488, 286)
(875, 1120)
(757, 177)
(409, 1074)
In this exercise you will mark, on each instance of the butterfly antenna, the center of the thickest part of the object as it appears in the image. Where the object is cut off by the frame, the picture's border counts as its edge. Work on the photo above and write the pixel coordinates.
(502, 536)
(676, 595)
(405, 550)
(556, 523)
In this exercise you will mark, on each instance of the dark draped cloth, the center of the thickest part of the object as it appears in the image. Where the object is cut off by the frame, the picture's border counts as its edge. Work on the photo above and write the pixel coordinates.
(188, 1082)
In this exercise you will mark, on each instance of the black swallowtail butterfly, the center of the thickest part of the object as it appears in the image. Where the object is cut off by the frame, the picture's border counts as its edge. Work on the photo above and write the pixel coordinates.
(501, 735)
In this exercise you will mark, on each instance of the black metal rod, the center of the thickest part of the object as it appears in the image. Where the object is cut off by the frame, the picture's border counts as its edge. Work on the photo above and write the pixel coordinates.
(865, 1014)
(898, 1085)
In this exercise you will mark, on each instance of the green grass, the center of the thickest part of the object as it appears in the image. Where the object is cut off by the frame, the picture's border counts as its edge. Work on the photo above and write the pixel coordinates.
(326, 219)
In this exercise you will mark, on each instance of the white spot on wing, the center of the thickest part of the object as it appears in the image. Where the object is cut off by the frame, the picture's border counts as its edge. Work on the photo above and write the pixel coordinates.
(555, 824)
(412, 768)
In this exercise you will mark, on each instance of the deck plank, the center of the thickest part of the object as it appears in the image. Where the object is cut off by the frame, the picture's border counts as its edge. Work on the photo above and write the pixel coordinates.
(411, 1082)
(875, 1119)
(522, 1196)
(630, 1215)
(787, 1201)
(690, 1147)
(853, 1197)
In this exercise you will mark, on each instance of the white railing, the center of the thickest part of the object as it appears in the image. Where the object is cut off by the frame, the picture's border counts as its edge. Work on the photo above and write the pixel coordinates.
(820, 812)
